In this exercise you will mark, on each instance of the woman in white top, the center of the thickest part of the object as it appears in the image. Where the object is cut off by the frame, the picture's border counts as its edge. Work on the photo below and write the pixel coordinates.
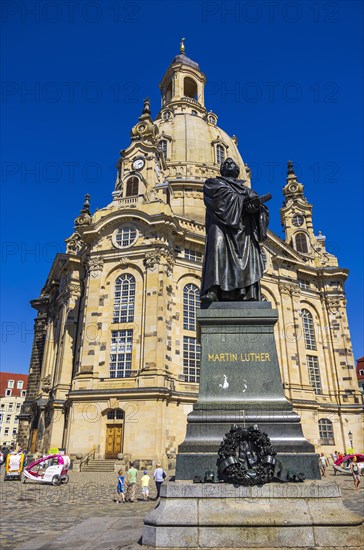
(159, 476)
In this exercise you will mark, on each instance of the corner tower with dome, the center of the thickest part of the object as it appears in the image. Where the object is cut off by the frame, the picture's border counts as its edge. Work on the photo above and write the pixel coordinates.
(115, 359)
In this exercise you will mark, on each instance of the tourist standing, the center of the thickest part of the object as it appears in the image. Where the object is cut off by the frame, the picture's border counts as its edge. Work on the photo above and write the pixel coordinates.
(131, 479)
(145, 485)
(323, 464)
(159, 476)
(355, 472)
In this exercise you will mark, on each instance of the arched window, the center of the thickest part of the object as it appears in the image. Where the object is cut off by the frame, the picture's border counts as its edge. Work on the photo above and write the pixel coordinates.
(191, 348)
(162, 146)
(168, 93)
(191, 302)
(124, 299)
(326, 432)
(132, 187)
(301, 243)
(189, 88)
(361, 372)
(220, 154)
(308, 329)
(314, 373)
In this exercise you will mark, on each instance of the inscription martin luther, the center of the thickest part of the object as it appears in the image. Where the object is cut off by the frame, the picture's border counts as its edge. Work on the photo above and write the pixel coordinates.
(224, 357)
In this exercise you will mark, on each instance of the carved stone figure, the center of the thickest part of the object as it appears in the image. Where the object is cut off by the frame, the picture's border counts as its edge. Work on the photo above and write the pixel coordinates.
(236, 222)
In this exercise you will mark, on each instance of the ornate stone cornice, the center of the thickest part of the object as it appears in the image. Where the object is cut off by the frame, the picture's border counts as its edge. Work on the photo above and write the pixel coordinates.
(94, 266)
(161, 256)
(74, 244)
(72, 293)
(333, 303)
(41, 305)
(289, 288)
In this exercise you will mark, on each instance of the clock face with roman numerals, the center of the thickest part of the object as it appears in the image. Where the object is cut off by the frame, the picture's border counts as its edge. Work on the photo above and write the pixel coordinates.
(138, 164)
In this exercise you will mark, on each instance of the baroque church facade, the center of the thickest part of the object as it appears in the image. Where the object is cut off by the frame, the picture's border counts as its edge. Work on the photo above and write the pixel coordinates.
(115, 357)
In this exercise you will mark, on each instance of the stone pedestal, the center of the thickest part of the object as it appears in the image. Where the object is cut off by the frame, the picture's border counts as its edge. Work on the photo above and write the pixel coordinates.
(240, 383)
(287, 516)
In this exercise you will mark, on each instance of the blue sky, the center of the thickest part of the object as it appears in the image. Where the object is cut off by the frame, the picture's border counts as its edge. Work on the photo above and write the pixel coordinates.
(285, 77)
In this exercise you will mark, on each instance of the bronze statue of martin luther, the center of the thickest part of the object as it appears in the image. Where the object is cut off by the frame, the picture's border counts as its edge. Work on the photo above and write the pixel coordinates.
(236, 222)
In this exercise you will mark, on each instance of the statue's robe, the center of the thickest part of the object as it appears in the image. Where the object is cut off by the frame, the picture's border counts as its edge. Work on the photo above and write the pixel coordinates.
(233, 260)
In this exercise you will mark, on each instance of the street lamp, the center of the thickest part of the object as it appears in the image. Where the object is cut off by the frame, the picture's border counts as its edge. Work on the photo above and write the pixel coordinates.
(350, 436)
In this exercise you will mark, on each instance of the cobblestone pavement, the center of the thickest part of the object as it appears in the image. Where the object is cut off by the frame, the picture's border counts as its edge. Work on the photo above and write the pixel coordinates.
(51, 518)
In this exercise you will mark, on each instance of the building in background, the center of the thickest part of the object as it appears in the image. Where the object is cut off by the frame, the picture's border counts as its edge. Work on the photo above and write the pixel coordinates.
(13, 387)
(360, 374)
(115, 358)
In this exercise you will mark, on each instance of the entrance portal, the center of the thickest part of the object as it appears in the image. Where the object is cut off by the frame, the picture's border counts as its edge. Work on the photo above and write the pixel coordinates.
(114, 433)
(114, 439)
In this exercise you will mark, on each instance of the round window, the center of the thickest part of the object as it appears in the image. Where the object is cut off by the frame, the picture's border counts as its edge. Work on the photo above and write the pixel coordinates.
(125, 236)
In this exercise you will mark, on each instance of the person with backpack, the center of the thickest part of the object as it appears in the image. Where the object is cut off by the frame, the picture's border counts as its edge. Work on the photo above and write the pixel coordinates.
(159, 476)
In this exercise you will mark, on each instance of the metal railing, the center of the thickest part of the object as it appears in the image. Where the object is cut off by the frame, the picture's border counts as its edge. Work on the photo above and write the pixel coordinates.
(85, 459)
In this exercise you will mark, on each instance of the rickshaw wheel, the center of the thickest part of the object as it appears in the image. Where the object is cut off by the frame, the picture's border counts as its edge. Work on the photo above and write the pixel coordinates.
(56, 480)
(65, 479)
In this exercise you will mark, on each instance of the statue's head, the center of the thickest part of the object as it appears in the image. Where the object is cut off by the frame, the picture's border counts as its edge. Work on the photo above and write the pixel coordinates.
(229, 168)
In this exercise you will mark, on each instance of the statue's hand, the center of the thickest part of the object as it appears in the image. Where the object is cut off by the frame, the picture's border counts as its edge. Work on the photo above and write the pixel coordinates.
(252, 208)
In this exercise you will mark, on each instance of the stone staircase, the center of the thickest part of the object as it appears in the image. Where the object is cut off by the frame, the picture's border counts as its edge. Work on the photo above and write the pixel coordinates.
(99, 465)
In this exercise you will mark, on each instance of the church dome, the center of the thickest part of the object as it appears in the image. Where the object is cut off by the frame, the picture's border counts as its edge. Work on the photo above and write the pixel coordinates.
(192, 142)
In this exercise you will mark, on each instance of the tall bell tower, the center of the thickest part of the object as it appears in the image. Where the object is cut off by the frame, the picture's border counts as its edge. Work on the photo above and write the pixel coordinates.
(183, 82)
(296, 218)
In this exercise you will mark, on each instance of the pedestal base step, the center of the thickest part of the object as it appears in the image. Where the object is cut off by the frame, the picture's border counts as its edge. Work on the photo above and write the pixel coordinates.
(286, 516)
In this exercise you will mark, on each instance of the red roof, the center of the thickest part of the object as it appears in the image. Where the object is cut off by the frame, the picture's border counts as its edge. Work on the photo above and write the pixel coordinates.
(4, 383)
